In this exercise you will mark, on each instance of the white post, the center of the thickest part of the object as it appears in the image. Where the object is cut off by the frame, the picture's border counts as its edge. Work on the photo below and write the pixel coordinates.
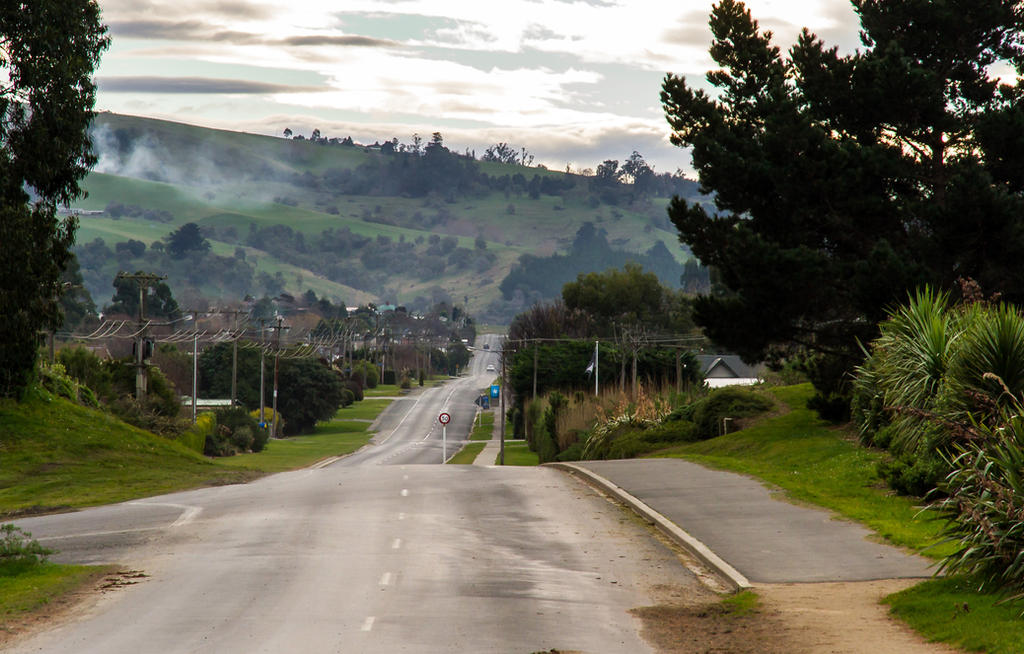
(596, 365)
(444, 444)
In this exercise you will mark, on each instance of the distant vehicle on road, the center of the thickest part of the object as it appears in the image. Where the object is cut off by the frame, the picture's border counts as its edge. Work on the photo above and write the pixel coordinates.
(490, 367)
(487, 346)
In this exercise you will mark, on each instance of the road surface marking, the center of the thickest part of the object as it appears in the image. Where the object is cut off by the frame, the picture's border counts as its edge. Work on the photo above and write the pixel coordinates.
(90, 534)
(405, 492)
(396, 544)
(405, 477)
(326, 462)
(385, 579)
(189, 513)
(401, 516)
(368, 623)
(404, 418)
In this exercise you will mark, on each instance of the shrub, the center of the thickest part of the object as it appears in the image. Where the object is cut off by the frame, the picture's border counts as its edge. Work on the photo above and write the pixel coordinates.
(729, 402)
(244, 433)
(355, 388)
(88, 369)
(347, 396)
(984, 507)
(18, 550)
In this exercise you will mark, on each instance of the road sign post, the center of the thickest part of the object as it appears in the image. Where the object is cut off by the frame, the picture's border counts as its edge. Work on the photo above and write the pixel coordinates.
(444, 419)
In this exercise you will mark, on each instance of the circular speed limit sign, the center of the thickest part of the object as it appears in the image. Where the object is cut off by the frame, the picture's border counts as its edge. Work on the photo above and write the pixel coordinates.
(444, 418)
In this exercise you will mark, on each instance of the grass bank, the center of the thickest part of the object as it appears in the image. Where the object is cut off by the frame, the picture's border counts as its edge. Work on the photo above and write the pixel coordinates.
(58, 455)
(34, 589)
(519, 454)
(816, 462)
(348, 431)
(483, 430)
(467, 455)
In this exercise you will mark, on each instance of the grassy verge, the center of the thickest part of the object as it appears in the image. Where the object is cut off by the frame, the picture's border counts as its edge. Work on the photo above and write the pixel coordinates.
(815, 462)
(467, 455)
(483, 429)
(346, 433)
(519, 454)
(382, 390)
(953, 611)
(58, 455)
(36, 587)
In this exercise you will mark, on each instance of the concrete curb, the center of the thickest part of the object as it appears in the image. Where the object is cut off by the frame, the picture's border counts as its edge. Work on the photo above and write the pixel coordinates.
(695, 547)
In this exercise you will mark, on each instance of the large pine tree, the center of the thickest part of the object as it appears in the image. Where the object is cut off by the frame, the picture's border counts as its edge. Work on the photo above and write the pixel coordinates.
(841, 182)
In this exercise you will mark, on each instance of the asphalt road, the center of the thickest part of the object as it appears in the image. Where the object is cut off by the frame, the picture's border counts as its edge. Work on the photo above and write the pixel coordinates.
(372, 553)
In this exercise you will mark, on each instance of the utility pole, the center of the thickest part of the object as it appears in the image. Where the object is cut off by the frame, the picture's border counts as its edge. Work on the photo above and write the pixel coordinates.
(263, 351)
(144, 280)
(501, 409)
(234, 353)
(195, 365)
(535, 346)
(277, 361)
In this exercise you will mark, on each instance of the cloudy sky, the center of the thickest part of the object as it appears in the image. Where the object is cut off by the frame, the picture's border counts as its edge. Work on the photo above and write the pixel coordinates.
(574, 81)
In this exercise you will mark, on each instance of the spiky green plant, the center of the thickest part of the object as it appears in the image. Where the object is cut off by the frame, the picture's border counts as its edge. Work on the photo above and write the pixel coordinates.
(987, 370)
(908, 365)
(983, 507)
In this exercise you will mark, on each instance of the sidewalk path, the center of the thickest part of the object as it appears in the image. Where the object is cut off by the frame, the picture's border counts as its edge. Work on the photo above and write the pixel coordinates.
(489, 454)
(766, 540)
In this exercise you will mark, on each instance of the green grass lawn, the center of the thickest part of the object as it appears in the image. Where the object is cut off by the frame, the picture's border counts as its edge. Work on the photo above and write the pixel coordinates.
(382, 390)
(58, 455)
(483, 428)
(467, 455)
(519, 454)
(36, 587)
(346, 433)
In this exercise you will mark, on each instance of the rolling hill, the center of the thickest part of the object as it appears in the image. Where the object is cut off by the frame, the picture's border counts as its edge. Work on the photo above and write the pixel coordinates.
(352, 223)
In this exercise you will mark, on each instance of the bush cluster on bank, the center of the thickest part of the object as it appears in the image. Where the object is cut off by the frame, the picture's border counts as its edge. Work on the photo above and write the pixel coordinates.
(614, 426)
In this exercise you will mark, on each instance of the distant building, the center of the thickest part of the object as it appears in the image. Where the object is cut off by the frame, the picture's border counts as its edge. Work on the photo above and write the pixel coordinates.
(726, 370)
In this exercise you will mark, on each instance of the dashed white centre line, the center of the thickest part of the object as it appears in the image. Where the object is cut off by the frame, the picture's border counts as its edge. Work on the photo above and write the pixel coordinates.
(405, 492)
(396, 544)
(401, 516)
(368, 623)
(385, 579)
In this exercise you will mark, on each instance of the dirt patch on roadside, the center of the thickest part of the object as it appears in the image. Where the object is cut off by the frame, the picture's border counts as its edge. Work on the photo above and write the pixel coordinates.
(67, 606)
(833, 618)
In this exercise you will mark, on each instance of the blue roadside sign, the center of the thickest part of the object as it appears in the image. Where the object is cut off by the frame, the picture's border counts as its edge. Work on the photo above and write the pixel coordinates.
(495, 391)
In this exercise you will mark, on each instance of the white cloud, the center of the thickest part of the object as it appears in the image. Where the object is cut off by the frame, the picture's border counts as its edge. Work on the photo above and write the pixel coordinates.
(531, 71)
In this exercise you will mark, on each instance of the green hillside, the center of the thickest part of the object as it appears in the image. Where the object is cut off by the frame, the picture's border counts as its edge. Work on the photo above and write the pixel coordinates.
(60, 455)
(388, 211)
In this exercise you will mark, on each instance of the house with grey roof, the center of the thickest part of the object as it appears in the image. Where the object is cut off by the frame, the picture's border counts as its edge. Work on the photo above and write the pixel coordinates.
(726, 370)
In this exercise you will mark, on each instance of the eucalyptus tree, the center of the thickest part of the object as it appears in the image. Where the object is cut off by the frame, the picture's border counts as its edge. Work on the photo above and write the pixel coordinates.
(48, 51)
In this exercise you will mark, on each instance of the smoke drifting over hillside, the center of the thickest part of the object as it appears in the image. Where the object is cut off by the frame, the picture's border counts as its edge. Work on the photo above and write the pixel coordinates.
(146, 155)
